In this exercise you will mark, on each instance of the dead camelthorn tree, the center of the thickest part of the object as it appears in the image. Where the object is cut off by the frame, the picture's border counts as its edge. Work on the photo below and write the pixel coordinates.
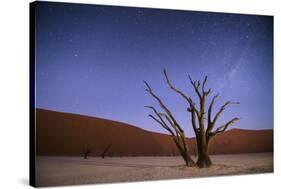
(168, 122)
(105, 150)
(86, 153)
(204, 130)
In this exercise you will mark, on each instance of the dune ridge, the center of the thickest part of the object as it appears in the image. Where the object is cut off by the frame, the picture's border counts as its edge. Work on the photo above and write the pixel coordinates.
(66, 134)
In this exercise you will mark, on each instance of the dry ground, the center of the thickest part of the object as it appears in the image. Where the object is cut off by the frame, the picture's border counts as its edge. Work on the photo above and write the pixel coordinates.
(52, 171)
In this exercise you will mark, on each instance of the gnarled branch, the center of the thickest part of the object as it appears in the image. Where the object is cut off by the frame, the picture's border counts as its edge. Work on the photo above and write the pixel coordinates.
(225, 126)
(160, 120)
(149, 90)
(210, 125)
(193, 120)
(178, 134)
(187, 98)
(195, 85)
(222, 109)
(204, 82)
(206, 93)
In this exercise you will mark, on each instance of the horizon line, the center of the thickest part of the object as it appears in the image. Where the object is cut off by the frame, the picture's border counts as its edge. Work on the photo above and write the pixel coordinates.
(133, 125)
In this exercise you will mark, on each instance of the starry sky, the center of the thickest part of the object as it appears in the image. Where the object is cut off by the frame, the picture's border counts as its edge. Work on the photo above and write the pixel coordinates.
(92, 60)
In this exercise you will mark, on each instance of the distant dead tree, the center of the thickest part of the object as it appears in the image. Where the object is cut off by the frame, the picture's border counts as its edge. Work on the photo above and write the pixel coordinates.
(86, 153)
(198, 118)
(105, 150)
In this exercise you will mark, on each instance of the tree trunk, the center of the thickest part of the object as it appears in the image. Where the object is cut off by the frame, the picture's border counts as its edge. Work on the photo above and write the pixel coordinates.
(203, 157)
(187, 159)
(185, 154)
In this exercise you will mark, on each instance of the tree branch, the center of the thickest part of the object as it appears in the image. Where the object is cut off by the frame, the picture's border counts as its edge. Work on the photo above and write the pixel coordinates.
(193, 120)
(187, 98)
(179, 132)
(175, 89)
(149, 90)
(203, 87)
(225, 126)
(158, 115)
(204, 82)
(178, 136)
(210, 125)
(195, 86)
(160, 120)
(222, 109)
(176, 128)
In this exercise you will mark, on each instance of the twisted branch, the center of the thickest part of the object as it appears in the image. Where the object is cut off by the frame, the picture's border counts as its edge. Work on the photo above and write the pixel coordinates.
(225, 126)
(195, 85)
(149, 90)
(210, 125)
(222, 109)
(187, 98)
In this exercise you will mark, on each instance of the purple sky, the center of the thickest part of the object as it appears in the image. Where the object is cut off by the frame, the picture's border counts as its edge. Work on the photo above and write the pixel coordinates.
(92, 60)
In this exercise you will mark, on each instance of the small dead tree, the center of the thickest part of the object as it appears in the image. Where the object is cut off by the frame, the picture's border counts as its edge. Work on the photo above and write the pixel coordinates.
(198, 118)
(105, 150)
(168, 122)
(86, 153)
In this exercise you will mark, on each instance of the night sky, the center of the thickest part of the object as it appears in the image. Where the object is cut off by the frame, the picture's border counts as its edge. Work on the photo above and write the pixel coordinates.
(92, 60)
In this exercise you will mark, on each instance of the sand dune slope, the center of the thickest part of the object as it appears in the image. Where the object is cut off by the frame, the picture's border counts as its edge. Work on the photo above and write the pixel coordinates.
(67, 134)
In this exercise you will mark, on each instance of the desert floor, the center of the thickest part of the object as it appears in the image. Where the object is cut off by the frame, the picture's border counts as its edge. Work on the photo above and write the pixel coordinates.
(52, 171)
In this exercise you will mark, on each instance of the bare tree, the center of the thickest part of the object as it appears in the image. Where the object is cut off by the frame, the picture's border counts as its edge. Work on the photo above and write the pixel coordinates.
(86, 153)
(198, 118)
(105, 150)
(168, 122)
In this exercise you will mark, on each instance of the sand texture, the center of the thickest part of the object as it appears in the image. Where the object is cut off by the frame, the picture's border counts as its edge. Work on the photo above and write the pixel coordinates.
(59, 170)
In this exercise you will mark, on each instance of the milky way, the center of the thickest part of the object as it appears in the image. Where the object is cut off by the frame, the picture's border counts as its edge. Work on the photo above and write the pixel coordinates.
(92, 60)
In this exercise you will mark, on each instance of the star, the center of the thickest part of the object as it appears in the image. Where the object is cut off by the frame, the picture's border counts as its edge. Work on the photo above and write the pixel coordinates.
(139, 12)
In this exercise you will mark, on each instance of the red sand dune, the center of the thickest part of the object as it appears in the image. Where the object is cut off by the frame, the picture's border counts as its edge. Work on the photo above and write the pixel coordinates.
(68, 134)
